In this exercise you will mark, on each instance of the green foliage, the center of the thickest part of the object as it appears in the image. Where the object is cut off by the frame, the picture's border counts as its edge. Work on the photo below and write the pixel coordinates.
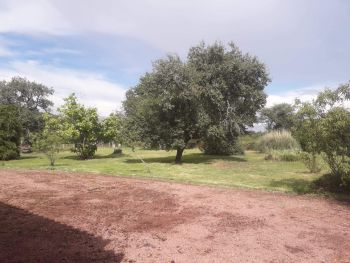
(323, 126)
(229, 86)
(161, 109)
(50, 140)
(111, 128)
(80, 126)
(10, 132)
(31, 99)
(277, 140)
(334, 141)
(277, 117)
(249, 141)
(210, 98)
(215, 142)
(311, 161)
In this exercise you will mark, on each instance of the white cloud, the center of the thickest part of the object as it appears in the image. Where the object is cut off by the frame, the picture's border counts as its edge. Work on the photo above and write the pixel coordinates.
(304, 94)
(5, 52)
(39, 16)
(92, 89)
(302, 41)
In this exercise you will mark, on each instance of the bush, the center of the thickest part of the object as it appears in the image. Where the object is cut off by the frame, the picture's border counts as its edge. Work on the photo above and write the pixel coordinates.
(277, 141)
(10, 132)
(250, 141)
(8, 150)
(311, 162)
(287, 156)
(221, 147)
(117, 151)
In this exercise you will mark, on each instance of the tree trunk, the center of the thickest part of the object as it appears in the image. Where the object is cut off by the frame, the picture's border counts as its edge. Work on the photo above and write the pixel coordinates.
(179, 152)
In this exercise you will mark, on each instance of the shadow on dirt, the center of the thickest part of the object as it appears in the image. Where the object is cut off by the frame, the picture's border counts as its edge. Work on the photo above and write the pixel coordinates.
(26, 237)
(192, 158)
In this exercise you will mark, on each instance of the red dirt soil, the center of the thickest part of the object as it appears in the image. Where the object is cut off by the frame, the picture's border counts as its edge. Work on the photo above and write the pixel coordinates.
(65, 217)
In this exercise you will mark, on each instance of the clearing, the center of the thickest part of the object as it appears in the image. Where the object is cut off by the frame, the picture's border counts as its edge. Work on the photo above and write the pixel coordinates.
(74, 217)
(245, 171)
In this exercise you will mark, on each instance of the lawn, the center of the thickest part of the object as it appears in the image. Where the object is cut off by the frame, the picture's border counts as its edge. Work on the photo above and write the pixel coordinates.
(247, 171)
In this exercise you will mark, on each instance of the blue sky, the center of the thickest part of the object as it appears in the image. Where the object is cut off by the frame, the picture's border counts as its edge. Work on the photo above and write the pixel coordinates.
(98, 49)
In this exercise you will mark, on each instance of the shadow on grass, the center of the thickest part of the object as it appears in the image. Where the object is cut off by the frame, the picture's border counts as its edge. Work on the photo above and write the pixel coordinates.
(24, 157)
(26, 237)
(326, 185)
(299, 186)
(97, 156)
(193, 158)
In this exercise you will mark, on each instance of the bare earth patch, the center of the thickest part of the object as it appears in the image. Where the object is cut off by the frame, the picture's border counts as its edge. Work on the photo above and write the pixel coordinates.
(63, 217)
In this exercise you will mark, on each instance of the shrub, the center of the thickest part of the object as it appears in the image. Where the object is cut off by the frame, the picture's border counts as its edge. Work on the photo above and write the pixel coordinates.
(117, 151)
(287, 156)
(8, 150)
(10, 132)
(311, 161)
(277, 140)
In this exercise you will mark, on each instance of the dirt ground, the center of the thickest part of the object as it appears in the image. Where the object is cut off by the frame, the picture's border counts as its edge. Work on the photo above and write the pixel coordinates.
(62, 217)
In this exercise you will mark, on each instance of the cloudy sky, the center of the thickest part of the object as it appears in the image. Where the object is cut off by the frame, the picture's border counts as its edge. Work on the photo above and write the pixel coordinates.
(100, 48)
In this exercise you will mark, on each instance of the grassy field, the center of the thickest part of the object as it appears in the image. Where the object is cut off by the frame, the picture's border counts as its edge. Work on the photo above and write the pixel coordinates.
(249, 170)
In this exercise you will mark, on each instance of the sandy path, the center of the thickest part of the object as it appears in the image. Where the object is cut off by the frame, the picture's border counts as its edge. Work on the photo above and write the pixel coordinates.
(62, 217)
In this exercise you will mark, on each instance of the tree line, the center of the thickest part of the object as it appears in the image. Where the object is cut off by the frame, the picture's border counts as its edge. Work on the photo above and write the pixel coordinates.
(209, 99)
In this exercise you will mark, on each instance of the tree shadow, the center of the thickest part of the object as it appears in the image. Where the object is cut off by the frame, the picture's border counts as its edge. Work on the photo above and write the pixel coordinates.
(24, 157)
(97, 156)
(299, 186)
(26, 237)
(192, 158)
(324, 185)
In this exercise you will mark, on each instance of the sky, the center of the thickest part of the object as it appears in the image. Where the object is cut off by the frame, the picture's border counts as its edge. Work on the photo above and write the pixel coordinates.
(99, 48)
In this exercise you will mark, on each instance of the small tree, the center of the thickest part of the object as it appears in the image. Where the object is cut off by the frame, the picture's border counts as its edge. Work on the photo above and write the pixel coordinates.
(50, 140)
(80, 126)
(323, 126)
(111, 129)
(306, 130)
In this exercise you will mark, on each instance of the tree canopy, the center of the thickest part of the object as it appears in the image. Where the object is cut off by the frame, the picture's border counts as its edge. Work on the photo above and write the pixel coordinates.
(278, 117)
(80, 126)
(211, 97)
(31, 98)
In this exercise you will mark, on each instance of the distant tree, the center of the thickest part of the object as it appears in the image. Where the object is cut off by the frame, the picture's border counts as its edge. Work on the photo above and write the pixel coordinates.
(50, 140)
(230, 88)
(10, 132)
(162, 107)
(31, 98)
(80, 126)
(278, 117)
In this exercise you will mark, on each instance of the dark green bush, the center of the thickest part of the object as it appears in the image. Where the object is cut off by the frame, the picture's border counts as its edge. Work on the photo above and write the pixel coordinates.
(117, 151)
(10, 132)
(8, 150)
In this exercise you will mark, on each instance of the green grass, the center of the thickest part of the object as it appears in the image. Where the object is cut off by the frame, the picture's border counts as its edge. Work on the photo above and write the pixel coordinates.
(247, 171)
